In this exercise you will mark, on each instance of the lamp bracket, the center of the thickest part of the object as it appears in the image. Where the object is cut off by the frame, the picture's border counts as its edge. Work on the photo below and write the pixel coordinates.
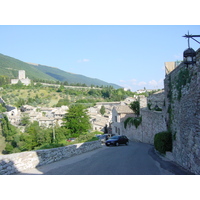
(192, 37)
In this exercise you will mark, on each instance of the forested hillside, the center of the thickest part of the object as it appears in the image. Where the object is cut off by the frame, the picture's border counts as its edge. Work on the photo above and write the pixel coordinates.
(12, 140)
(9, 67)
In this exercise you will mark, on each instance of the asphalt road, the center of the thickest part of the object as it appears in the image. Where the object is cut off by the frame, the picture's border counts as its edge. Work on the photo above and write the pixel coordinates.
(134, 159)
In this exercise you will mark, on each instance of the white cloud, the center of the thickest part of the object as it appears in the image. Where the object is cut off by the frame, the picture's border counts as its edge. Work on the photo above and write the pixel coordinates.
(134, 84)
(153, 83)
(156, 84)
(83, 60)
(122, 81)
(86, 60)
(142, 83)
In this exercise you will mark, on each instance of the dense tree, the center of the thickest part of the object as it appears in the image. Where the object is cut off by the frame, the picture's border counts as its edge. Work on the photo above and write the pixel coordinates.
(25, 120)
(61, 88)
(102, 110)
(2, 108)
(94, 92)
(135, 106)
(106, 129)
(20, 102)
(61, 134)
(4, 80)
(77, 120)
(8, 130)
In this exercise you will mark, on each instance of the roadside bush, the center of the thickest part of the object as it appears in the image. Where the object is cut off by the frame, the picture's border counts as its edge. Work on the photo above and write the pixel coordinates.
(163, 141)
(97, 133)
(86, 137)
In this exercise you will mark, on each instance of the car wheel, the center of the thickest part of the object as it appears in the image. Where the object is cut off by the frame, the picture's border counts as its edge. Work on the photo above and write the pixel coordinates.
(117, 144)
(126, 143)
(107, 145)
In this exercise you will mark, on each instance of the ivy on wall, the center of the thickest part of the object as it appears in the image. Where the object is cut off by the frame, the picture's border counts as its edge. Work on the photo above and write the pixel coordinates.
(182, 79)
(136, 121)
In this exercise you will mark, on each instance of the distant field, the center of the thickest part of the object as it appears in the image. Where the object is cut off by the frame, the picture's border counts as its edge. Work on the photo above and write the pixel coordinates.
(11, 96)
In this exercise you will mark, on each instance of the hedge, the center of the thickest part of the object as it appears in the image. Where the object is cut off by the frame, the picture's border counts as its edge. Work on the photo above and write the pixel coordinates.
(163, 141)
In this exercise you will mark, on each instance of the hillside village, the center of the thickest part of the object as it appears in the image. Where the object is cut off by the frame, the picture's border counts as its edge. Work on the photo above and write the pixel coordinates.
(52, 116)
(49, 115)
(159, 113)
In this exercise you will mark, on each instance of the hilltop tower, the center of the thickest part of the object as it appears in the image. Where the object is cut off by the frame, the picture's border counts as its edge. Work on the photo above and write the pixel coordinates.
(21, 74)
(22, 78)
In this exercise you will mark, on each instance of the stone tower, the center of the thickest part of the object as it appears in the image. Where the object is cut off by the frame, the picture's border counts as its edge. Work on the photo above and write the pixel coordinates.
(21, 74)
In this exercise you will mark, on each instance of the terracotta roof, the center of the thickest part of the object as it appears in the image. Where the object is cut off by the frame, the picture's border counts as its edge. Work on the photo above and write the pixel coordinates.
(123, 109)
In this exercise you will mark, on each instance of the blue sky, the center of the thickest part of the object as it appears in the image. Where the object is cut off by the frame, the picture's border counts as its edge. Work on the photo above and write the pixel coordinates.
(132, 56)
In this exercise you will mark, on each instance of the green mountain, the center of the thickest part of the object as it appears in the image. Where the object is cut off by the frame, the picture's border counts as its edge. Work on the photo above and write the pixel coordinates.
(72, 78)
(9, 67)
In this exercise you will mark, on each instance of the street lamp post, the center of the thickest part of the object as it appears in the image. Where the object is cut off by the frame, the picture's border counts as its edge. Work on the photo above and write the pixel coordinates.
(189, 54)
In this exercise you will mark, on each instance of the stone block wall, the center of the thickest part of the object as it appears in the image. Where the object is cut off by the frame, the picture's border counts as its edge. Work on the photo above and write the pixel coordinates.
(152, 122)
(182, 113)
(18, 162)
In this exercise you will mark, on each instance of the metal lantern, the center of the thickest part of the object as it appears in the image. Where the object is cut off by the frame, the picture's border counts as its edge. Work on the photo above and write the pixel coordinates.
(189, 56)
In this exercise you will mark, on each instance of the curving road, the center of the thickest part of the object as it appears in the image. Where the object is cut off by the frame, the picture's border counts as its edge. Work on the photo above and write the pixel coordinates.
(134, 159)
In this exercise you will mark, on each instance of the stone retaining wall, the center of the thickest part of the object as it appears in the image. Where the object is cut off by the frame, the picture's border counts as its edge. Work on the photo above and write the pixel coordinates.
(152, 122)
(182, 113)
(18, 162)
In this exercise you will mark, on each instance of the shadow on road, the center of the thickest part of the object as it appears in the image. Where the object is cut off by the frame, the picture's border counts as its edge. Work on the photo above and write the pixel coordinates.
(8, 165)
(168, 165)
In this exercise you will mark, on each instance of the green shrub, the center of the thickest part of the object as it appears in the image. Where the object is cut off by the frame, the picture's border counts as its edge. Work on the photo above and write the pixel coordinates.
(97, 133)
(163, 141)
(49, 146)
(86, 138)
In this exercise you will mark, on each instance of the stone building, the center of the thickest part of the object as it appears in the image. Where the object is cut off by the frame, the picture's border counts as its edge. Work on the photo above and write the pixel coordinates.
(45, 116)
(119, 115)
(152, 121)
(22, 78)
(99, 121)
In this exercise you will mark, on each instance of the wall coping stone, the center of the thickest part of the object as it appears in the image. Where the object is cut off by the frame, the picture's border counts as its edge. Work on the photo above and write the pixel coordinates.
(18, 162)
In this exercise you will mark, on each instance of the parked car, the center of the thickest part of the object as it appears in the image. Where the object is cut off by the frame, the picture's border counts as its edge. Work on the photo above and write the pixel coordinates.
(117, 140)
(104, 137)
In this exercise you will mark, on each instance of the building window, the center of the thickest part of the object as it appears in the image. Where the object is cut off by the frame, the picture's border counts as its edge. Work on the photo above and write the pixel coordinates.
(118, 118)
(115, 118)
(115, 129)
(118, 131)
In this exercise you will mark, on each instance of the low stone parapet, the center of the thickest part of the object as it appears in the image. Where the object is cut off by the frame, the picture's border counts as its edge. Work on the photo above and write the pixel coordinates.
(18, 162)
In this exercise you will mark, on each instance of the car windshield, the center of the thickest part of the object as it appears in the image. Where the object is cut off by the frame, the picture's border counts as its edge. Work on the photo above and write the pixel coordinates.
(114, 137)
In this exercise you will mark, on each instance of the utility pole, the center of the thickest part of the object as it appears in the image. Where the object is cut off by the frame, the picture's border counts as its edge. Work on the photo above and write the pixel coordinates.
(54, 136)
